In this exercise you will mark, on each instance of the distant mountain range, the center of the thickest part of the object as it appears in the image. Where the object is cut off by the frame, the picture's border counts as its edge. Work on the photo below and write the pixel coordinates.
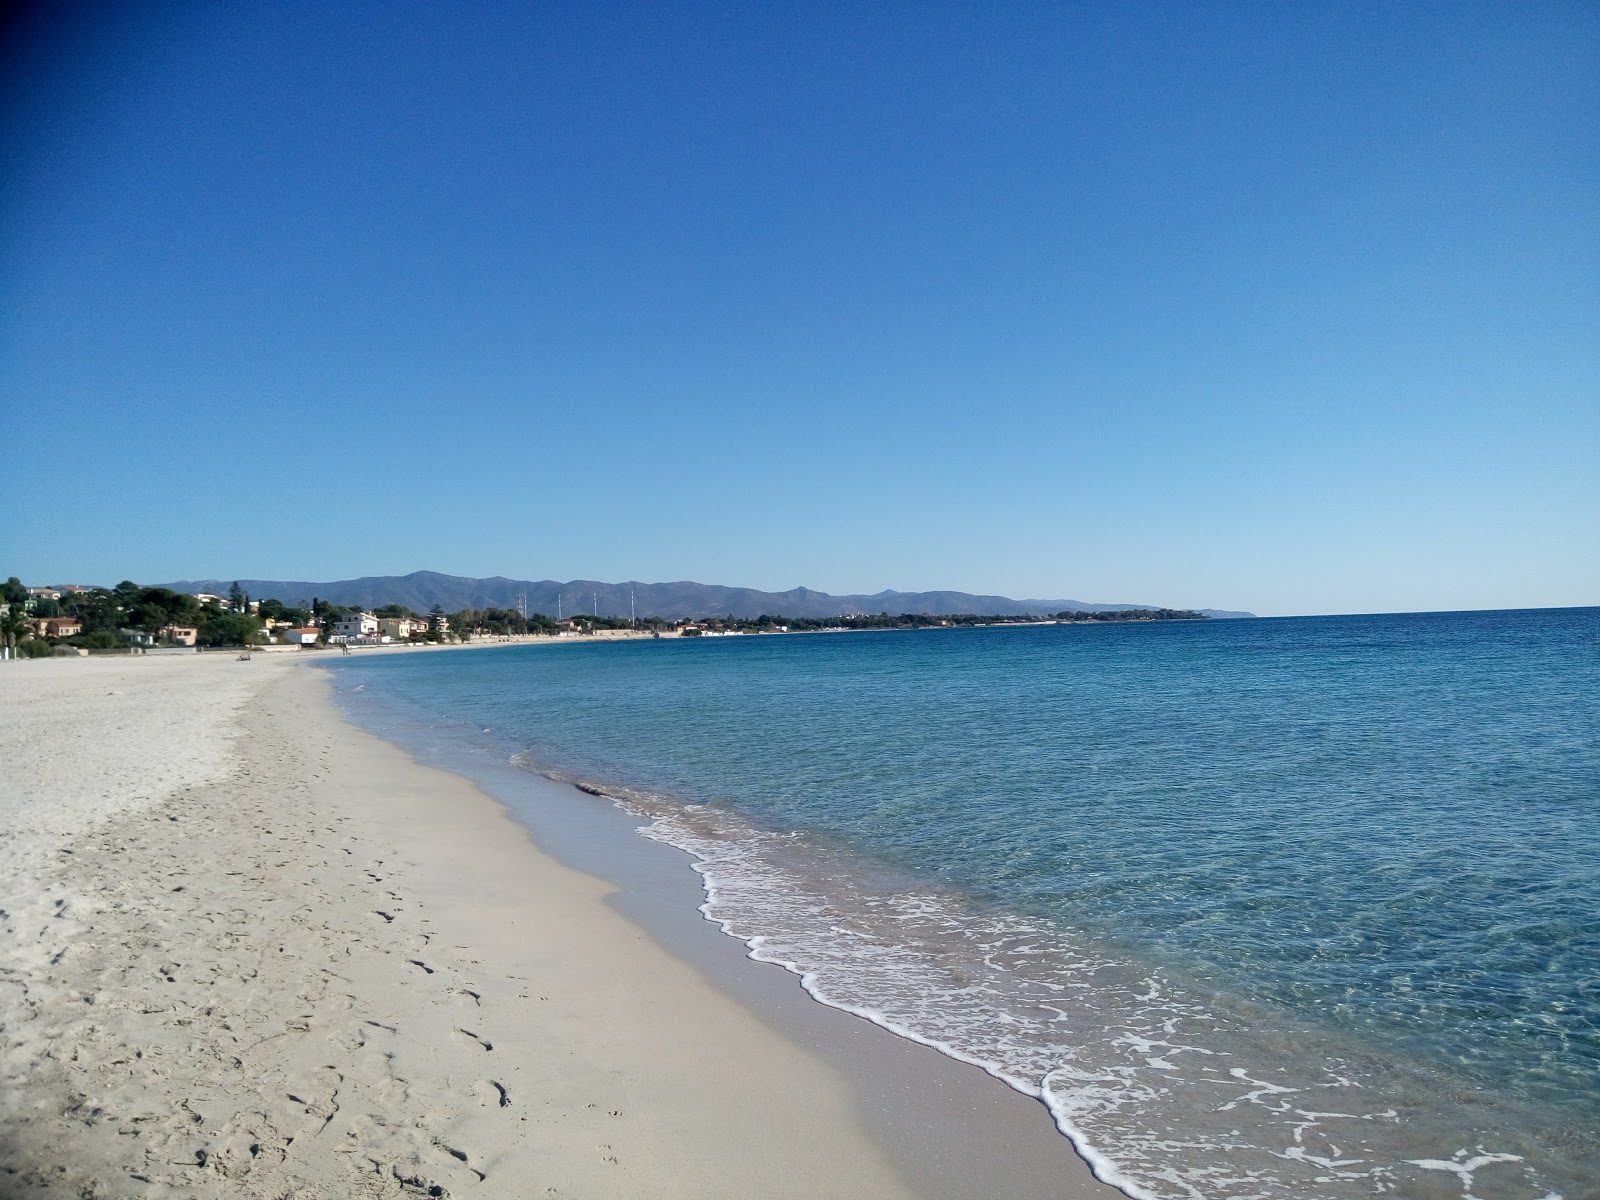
(421, 590)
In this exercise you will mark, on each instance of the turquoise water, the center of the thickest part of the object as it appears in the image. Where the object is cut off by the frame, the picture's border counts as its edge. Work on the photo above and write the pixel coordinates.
(1294, 907)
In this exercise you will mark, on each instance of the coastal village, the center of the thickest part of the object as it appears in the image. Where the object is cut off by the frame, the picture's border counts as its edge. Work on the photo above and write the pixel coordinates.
(74, 619)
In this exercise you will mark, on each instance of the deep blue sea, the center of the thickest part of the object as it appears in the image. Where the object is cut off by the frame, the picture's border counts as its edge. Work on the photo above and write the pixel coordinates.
(1261, 908)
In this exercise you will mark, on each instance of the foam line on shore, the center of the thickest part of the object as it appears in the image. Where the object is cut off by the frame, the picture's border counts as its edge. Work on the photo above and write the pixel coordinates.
(783, 893)
(1103, 1168)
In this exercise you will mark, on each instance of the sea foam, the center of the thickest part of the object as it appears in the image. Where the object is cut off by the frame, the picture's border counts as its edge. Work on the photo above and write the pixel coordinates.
(1165, 1093)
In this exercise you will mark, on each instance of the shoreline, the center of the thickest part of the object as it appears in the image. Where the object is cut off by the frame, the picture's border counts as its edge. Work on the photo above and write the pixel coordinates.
(484, 641)
(373, 954)
(951, 1124)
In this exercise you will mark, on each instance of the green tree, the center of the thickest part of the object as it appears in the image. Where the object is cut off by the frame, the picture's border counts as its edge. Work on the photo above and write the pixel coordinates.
(12, 591)
(98, 639)
(277, 610)
(14, 626)
(161, 606)
(230, 629)
(100, 609)
(329, 616)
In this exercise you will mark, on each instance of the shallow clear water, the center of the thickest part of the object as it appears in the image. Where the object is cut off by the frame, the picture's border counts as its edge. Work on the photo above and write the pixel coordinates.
(1294, 907)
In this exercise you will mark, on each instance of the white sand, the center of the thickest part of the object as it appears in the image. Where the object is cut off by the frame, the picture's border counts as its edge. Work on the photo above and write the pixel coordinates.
(88, 739)
(319, 970)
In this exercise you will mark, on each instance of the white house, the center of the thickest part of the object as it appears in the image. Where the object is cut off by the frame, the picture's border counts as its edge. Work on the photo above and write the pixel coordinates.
(356, 625)
(302, 637)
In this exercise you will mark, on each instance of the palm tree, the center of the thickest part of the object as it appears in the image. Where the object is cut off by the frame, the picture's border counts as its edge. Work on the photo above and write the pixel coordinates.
(14, 626)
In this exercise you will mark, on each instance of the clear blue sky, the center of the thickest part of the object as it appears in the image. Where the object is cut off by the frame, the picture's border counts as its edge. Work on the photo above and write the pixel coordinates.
(1287, 307)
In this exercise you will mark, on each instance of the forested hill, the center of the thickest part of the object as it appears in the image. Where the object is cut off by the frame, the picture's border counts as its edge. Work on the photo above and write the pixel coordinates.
(421, 590)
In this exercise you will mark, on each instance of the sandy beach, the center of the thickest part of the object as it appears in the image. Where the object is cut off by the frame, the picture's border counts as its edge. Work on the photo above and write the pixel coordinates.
(254, 951)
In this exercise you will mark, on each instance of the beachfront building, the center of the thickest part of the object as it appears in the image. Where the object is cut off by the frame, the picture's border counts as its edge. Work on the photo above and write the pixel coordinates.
(302, 637)
(137, 637)
(400, 628)
(355, 625)
(57, 627)
(180, 635)
(439, 623)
